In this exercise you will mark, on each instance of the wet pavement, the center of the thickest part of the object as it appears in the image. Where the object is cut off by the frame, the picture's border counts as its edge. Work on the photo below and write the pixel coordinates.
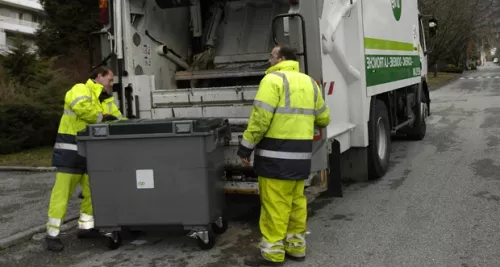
(438, 205)
(24, 198)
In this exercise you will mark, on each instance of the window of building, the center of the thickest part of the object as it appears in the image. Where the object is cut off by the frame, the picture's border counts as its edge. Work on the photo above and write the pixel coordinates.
(20, 16)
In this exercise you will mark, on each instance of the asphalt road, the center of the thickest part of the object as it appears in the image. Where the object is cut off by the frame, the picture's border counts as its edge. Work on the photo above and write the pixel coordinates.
(438, 205)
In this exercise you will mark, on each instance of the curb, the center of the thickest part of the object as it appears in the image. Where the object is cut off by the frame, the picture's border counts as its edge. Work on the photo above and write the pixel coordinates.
(26, 169)
(20, 237)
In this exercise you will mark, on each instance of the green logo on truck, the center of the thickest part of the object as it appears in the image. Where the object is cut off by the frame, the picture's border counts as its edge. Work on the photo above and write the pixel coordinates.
(396, 8)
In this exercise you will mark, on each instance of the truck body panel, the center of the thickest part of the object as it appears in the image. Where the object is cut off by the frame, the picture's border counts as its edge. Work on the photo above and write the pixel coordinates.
(391, 45)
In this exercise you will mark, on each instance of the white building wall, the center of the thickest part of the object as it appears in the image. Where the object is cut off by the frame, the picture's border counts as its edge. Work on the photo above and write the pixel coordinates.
(19, 16)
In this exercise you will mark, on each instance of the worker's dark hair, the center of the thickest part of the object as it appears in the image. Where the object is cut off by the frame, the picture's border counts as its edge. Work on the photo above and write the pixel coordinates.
(287, 52)
(99, 70)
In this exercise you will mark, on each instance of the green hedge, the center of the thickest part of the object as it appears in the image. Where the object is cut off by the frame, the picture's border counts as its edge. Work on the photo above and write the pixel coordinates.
(32, 98)
(26, 125)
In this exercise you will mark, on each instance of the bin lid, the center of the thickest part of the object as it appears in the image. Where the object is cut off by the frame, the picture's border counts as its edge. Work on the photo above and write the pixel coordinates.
(160, 126)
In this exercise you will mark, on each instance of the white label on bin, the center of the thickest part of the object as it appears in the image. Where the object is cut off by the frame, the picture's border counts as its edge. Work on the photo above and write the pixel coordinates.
(145, 179)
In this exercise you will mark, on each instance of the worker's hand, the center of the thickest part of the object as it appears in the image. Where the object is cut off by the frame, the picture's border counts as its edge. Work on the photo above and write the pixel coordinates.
(245, 161)
(108, 117)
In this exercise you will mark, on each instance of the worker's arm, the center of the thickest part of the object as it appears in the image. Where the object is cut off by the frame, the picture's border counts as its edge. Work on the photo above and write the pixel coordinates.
(322, 111)
(262, 113)
(115, 111)
(119, 115)
(80, 102)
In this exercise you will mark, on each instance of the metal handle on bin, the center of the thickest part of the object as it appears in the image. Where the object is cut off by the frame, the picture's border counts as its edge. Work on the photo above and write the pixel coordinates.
(183, 127)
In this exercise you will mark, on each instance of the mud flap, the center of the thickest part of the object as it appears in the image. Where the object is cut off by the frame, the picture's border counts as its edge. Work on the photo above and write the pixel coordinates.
(334, 174)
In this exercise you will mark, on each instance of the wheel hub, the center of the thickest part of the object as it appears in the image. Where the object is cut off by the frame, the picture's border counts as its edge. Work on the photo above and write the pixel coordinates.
(382, 139)
(423, 111)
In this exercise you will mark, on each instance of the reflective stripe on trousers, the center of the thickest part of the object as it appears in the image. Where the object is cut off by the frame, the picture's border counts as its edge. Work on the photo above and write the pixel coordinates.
(295, 245)
(272, 251)
(283, 217)
(86, 221)
(63, 189)
(53, 227)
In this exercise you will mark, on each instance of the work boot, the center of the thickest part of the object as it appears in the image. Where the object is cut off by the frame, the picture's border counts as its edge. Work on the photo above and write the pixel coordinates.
(293, 258)
(258, 260)
(88, 233)
(54, 244)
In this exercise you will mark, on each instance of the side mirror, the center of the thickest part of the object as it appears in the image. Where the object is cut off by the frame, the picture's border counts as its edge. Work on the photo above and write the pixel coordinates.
(433, 27)
(427, 52)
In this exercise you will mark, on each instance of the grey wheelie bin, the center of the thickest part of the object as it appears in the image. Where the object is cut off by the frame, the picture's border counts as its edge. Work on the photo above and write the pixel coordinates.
(147, 173)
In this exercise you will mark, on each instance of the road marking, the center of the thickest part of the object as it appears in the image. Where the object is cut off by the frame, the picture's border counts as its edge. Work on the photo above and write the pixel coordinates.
(479, 77)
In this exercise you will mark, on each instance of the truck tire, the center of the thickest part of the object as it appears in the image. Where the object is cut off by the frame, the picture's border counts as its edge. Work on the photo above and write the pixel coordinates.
(419, 128)
(379, 132)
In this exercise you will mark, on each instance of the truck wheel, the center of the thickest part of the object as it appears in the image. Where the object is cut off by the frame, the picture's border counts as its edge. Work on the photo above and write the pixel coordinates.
(380, 140)
(419, 128)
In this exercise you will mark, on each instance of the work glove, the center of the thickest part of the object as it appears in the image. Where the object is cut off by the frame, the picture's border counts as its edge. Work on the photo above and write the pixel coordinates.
(108, 117)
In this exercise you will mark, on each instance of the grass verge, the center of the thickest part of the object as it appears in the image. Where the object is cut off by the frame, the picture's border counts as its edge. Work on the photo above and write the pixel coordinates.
(441, 79)
(38, 157)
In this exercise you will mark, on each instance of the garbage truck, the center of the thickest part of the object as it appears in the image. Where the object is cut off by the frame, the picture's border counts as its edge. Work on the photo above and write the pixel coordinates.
(201, 59)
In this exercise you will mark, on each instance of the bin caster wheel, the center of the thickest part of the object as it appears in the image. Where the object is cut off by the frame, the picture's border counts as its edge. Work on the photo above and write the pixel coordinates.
(113, 241)
(220, 229)
(209, 245)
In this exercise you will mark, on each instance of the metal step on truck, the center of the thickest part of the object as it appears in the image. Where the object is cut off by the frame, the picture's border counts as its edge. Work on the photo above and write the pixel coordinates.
(193, 58)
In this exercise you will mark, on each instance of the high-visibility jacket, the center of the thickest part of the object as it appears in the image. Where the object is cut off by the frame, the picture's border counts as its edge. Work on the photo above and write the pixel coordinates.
(109, 107)
(81, 107)
(281, 125)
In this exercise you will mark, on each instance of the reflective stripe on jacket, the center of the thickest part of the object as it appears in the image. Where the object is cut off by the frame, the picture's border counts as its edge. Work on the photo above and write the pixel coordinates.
(81, 107)
(109, 107)
(281, 126)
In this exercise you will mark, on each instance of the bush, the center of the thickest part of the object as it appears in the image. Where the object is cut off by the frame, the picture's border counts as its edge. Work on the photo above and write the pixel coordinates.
(32, 100)
(26, 124)
(29, 119)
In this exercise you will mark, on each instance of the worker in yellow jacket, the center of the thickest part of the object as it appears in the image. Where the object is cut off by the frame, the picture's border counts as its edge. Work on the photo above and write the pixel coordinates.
(81, 107)
(286, 109)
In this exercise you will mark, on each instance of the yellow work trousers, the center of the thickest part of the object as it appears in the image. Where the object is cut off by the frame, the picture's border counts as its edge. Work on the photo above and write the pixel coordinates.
(283, 218)
(61, 193)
